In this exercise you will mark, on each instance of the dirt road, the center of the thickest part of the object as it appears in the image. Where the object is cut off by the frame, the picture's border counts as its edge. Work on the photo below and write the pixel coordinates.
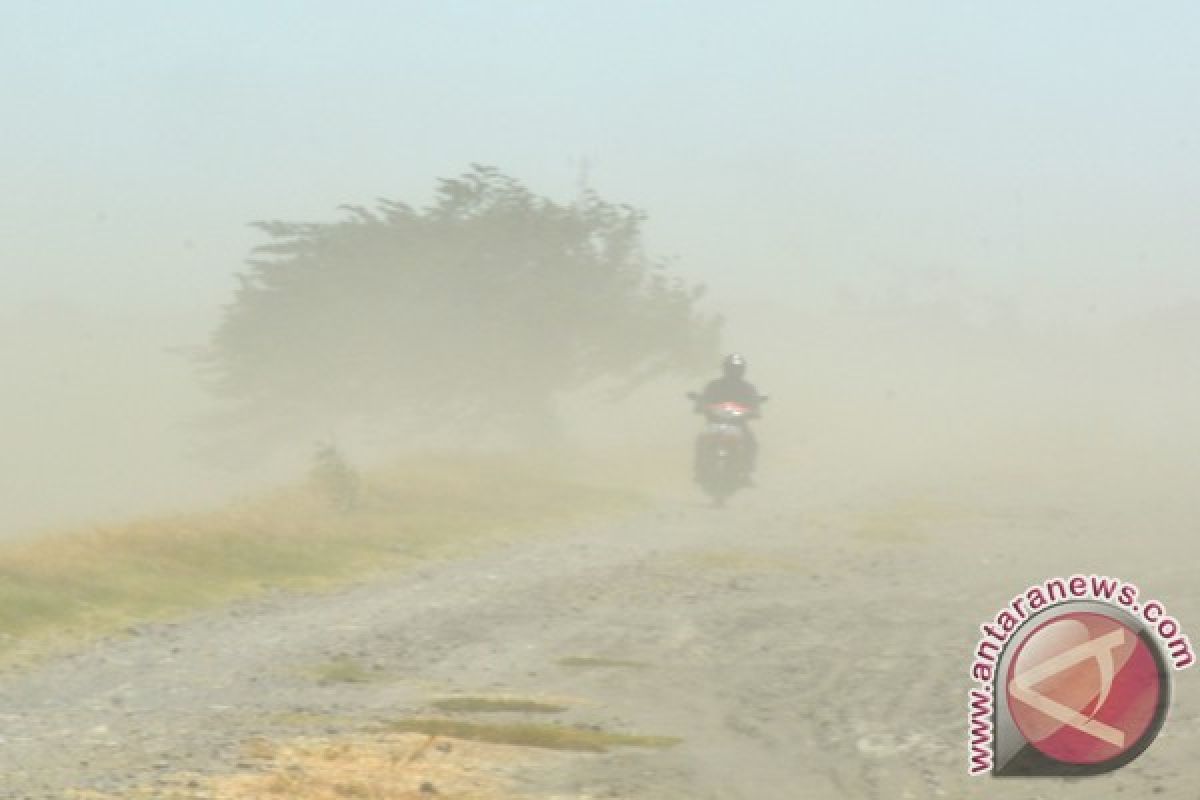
(797, 648)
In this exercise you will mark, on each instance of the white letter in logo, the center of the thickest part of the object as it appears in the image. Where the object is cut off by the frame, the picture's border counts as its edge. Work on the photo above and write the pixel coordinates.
(1100, 649)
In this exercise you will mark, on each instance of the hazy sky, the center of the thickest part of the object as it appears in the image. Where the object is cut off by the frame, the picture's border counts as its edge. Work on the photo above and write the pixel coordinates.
(792, 152)
(1050, 150)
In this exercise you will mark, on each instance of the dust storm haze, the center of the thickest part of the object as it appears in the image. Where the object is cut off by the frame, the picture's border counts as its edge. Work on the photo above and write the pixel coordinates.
(957, 244)
(953, 245)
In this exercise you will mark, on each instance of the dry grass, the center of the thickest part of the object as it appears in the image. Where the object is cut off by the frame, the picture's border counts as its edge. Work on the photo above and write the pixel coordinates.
(905, 521)
(420, 759)
(343, 670)
(496, 704)
(100, 580)
(747, 561)
(527, 734)
(375, 767)
(590, 661)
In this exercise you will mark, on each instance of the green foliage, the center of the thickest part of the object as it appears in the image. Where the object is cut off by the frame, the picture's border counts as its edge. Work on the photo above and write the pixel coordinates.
(479, 308)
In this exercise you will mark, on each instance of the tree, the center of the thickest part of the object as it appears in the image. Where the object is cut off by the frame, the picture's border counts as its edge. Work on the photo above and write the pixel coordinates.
(479, 309)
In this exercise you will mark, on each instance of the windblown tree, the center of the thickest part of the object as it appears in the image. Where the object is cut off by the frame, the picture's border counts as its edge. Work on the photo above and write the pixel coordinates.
(477, 310)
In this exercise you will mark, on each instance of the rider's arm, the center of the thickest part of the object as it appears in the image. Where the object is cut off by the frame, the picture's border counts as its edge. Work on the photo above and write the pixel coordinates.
(755, 400)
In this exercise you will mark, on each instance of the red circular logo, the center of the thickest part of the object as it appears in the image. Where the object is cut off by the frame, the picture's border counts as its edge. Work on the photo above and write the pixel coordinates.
(1084, 688)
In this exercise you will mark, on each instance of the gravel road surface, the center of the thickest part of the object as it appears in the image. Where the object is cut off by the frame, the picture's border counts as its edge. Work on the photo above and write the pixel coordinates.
(798, 649)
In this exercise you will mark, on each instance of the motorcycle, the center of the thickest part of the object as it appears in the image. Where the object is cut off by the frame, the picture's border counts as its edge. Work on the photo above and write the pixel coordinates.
(722, 466)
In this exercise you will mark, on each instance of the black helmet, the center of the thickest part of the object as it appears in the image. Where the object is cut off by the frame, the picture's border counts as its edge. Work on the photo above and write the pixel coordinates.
(734, 365)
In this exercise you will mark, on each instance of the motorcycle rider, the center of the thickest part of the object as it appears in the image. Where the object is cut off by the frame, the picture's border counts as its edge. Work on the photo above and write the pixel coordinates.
(732, 387)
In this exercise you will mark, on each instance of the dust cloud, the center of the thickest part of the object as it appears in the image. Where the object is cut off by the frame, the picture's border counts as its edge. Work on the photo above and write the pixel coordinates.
(971, 406)
(867, 398)
(100, 409)
(818, 143)
(885, 398)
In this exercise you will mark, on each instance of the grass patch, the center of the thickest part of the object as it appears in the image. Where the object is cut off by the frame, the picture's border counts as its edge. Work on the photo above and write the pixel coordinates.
(745, 561)
(90, 582)
(313, 719)
(343, 670)
(588, 661)
(496, 704)
(373, 767)
(907, 521)
(524, 734)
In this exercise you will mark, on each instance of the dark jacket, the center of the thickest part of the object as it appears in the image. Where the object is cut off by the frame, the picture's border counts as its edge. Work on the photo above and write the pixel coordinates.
(731, 390)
